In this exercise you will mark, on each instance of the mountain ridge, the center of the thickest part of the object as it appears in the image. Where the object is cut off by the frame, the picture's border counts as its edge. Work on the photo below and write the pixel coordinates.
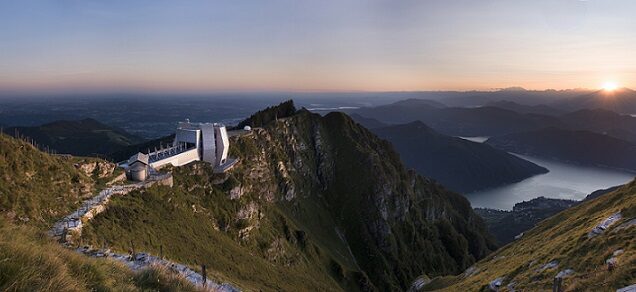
(456, 163)
(313, 195)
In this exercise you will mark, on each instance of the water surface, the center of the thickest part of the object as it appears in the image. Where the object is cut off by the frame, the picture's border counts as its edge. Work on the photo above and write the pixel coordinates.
(564, 181)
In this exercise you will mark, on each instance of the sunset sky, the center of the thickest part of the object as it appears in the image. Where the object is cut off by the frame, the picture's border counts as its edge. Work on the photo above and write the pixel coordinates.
(295, 45)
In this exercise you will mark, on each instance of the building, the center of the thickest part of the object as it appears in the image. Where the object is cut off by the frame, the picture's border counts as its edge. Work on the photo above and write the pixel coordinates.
(137, 169)
(207, 142)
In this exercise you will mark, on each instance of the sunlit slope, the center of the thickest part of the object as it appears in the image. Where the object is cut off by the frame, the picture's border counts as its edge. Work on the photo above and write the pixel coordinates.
(37, 189)
(563, 238)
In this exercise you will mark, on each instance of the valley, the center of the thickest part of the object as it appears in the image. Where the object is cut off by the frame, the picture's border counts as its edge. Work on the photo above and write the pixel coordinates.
(262, 225)
(563, 181)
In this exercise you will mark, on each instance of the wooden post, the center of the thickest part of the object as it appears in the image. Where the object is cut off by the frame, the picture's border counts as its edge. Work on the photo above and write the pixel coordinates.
(161, 251)
(204, 274)
(63, 236)
(557, 286)
(132, 248)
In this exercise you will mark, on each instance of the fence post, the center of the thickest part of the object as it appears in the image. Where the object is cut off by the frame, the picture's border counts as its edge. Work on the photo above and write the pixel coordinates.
(63, 236)
(556, 287)
(204, 274)
(132, 248)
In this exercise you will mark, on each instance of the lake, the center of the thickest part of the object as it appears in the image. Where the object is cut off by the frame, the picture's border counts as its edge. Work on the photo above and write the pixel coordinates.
(564, 181)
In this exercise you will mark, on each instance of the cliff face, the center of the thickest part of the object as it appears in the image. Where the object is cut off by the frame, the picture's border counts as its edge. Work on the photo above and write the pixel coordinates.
(316, 203)
(458, 164)
(566, 145)
(394, 221)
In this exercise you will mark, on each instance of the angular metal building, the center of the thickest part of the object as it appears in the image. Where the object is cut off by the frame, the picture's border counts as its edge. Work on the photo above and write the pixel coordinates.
(193, 142)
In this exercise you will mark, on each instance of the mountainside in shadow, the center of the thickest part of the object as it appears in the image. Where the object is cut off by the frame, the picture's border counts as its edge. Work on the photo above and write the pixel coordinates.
(502, 118)
(581, 147)
(541, 109)
(455, 121)
(602, 122)
(577, 245)
(458, 164)
(86, 137)
(316, 203)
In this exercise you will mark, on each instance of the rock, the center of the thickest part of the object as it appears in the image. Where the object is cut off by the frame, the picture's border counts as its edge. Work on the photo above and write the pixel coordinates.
(564, 273)
(100, 168)
(472, 270)
(236, 193)
(495, 284)
(550, 265)
(419, 283)
(604, 225)
(630, 288)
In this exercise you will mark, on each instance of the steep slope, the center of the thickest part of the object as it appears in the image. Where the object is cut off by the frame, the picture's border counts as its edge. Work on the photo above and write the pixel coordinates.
(580, 147)
(563, 242)
(458, 164)
(36, 187)
(86, 137)
(506, 225)
(368, 123)
(33, 262)
(35, 190)
(317, 203)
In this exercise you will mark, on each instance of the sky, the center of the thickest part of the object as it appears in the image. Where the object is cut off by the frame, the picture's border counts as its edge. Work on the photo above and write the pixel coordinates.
(325, 45)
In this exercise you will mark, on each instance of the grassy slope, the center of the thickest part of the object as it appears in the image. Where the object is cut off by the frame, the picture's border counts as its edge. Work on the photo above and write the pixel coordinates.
(44, 188)
(37, 186)
(294, 244)
(563, 237)
(166, 217)
(86, 137)
(30, 261)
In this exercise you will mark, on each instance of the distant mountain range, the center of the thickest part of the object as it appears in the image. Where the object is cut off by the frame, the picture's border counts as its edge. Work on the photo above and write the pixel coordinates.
(540, 109)
(458, 164)
(456, 121)
(620, 100)
(581, 147)
(493, 120)
(86, 137)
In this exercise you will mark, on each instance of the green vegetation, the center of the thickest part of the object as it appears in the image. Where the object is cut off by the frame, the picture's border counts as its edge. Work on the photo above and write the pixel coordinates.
(563, 237)
(35, 190)
(195, 223)
(36, 187)
(86, 137)
(30, 261)
(272, 113)
(316, 203)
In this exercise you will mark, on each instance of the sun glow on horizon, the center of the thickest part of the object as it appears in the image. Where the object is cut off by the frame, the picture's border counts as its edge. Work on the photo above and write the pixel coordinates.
(610, 86)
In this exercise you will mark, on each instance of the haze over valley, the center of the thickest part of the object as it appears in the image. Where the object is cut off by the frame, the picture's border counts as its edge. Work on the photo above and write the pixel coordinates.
(282, 145)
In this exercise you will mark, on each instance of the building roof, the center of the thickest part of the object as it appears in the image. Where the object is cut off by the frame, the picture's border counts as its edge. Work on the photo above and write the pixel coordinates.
(138, 166)
(143, 158)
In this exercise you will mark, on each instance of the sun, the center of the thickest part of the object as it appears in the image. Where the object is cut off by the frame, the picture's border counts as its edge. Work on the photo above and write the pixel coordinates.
(610, 86)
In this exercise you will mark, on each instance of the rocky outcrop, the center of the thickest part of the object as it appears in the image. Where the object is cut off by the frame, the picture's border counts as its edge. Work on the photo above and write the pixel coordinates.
(397, 223)
(97, 168)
